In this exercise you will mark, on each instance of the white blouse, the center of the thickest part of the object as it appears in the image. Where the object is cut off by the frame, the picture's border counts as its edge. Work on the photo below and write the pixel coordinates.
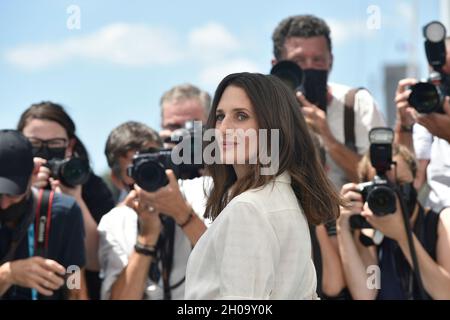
(259, 247)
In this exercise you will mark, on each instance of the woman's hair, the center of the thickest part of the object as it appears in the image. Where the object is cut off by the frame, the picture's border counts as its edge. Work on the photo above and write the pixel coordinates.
(50, 111)
(364, 165)
(275, 107)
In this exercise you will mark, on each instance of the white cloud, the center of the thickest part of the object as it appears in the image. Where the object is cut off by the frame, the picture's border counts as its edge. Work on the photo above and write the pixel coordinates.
(405, 12)
(124, 44)
(211, 42)
(345, 30)
(211, 47)
(211, 75)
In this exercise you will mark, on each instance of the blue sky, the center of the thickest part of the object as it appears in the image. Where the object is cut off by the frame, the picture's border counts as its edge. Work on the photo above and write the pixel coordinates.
(127, 53)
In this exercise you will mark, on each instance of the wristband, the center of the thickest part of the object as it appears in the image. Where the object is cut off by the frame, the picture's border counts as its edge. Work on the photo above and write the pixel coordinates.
(189, 218)
(149, 251)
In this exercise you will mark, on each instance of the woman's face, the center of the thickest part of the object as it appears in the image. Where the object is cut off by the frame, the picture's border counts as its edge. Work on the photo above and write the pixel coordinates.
(48, 133)
(238, 128)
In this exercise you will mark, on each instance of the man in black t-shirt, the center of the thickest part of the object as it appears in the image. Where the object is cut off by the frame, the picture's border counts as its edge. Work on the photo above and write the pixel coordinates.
(59, 273)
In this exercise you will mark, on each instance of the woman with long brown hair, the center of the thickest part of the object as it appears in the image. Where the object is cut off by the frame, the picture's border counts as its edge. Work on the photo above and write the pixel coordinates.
(258, 246)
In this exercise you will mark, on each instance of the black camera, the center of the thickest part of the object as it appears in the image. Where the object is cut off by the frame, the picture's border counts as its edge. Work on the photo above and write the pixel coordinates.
(379, 193)
(312, 83)
(71, 172)
(185, 159)
(428, 96)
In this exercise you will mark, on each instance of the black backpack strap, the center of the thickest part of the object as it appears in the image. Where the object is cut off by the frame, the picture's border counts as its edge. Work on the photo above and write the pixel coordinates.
(349, 118)
(167, 253)
(431, 232)
(43, 222)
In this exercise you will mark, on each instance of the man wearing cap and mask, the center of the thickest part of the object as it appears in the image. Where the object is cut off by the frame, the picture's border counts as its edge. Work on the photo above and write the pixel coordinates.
(305, 40)
(42, 260)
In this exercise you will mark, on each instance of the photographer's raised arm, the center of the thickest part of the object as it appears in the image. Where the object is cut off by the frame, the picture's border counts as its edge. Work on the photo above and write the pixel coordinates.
(353, 261)
(405, 114)
(343, 156)
(333, 281)
(171, 202)
(435, 274)
(132, 281)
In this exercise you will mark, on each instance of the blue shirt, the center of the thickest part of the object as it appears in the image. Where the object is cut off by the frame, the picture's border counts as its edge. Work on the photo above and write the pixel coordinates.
(65, 245)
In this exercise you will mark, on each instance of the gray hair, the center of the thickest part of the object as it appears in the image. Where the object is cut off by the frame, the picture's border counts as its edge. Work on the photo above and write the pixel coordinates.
(186, 91)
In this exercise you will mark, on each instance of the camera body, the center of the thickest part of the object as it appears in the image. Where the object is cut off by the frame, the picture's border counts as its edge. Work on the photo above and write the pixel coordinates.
(379, 193)
(71, 172)
(148, 167)
(428, 96)
(380, 196)
(311, 82)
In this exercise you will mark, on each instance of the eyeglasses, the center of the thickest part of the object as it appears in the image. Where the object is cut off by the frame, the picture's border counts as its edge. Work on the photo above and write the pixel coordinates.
(50, 143)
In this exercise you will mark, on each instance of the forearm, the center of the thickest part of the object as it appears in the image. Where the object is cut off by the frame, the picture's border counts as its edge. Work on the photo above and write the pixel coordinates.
(91, 239)
(353, 265)
(194, 228)
(403, 137)
(132, 281)
(421, 175)
(436, 280)
(5, 282)
(343, 156)
(333, 280)
(79, 293)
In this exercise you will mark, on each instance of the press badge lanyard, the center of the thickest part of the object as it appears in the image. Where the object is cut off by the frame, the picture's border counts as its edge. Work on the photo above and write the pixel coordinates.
(34, 294)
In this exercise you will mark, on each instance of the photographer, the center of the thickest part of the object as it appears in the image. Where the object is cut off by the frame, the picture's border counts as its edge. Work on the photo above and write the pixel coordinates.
(342, 116)
(427, 134)
(52, 134)
(387, 246)
(146, 240)
(34, 257)
(179, 105)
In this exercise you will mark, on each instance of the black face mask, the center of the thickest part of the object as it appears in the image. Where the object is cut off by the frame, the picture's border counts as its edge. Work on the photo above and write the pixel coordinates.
(49, 153)
(409, 195)
(16, 211)
(315, 87)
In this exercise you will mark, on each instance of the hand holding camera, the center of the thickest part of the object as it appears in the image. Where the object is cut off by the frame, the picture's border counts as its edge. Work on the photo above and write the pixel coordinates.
(436, 123)
(390, 225)
(63, 175)
(149, 221)
(355, 202)
(167, 199)
(406, 114)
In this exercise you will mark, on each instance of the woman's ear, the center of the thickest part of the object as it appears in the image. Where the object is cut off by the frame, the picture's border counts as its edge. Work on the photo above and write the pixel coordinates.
(71, 147)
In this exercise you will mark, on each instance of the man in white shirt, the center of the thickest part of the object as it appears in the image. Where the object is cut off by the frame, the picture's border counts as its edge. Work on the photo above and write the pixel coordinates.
(143, 254)
(428, 135)
(306, 41)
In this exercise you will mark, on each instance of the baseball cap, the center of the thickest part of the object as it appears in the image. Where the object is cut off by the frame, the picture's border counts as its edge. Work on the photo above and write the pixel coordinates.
(16, 162)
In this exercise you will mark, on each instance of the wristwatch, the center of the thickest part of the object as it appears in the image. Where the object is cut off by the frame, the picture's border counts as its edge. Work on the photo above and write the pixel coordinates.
(405, 128)
(149, 251)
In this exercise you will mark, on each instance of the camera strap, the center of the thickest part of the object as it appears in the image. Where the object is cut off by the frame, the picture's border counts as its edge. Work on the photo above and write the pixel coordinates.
(42, 222)
(349, 118)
